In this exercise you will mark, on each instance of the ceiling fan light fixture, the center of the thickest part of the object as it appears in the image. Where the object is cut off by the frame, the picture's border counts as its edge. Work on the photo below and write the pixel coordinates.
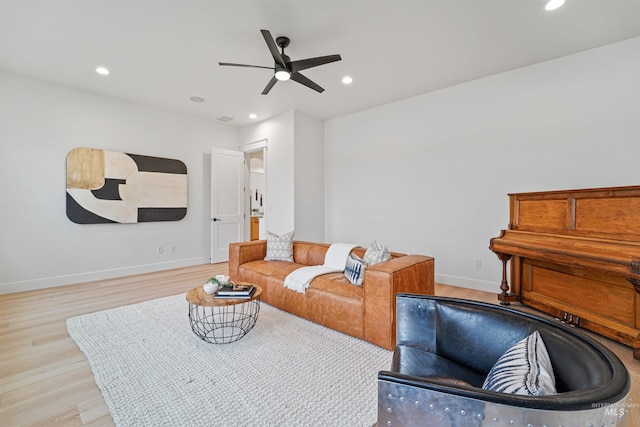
(283, 75)
(553, 4)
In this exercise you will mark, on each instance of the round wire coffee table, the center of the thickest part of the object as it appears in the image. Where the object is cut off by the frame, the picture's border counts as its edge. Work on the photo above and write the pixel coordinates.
(222, 321)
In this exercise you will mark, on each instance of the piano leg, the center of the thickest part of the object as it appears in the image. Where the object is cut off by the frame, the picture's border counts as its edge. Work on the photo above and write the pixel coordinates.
(636, 284)
(505, 297)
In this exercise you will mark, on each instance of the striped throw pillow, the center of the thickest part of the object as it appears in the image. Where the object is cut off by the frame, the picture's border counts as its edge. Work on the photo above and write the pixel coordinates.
(354, 270)
(523, 369)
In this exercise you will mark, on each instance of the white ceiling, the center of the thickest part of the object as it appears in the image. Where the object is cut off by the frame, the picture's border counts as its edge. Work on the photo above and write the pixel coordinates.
(162, 52)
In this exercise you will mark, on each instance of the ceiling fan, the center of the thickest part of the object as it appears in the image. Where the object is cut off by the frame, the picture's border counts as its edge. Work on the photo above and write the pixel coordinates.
(284, 68)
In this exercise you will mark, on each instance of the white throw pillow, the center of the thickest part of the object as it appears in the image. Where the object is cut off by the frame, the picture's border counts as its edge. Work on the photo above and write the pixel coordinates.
(523, 369)
(279, 248)
(376, 253)
(354, 269)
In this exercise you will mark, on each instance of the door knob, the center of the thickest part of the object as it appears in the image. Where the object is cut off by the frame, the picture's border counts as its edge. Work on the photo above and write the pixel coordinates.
(217, 219)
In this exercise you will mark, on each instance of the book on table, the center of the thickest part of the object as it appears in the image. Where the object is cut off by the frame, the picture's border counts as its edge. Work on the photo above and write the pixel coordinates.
(236, 290)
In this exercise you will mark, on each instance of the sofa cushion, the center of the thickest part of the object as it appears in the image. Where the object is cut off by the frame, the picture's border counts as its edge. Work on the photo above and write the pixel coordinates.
(523, 369)
(336, 283)
(307, 253)
(336, 311)
(279, 248)
(354, 269)
(414, 361)
(267, 268)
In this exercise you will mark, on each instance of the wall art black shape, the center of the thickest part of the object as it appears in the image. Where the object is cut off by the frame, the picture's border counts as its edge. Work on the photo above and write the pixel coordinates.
(113, 187)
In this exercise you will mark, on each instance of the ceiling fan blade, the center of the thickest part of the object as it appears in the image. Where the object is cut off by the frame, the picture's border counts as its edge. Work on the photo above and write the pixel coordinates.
(303, 64)
(272, 82)
(230, 64)
(305, 81)
(273, 47)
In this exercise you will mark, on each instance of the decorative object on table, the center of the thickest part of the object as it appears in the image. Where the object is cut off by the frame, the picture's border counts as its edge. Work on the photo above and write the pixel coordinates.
(113, 187)
(236, 290)
(213, 284)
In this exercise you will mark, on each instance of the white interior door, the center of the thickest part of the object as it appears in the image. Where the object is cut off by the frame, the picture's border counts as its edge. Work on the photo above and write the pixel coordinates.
(227, 201)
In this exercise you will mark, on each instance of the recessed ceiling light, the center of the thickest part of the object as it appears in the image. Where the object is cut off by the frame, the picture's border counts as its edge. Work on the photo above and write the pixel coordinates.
(347, 80)
(253, 116)
(196, 99)
(554, 4)
(103, 71)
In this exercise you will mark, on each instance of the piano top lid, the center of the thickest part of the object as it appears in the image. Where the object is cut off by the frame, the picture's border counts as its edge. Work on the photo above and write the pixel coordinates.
(608, 213)
(592, 192)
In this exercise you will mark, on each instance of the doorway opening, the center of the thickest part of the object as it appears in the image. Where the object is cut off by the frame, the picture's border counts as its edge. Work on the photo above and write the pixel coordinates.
(255, 155)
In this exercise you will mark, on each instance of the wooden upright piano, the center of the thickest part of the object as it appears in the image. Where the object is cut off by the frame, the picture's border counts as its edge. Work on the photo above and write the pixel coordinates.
(576, 255)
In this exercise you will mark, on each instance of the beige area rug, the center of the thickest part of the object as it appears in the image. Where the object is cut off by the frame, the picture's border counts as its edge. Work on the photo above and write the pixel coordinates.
(153, 371)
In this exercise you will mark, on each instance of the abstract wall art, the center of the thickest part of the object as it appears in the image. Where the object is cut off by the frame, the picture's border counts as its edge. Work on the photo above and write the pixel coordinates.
(114, 187)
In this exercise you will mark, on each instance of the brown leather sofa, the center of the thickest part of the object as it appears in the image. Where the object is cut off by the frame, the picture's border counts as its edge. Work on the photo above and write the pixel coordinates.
(367, 312)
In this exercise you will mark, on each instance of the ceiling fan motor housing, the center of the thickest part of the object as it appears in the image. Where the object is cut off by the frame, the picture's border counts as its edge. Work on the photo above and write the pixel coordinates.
(282, 41)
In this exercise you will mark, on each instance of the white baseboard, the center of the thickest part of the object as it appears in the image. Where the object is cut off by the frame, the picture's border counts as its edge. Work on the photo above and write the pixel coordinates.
(51, 282)
(71, 279)
(465, 282)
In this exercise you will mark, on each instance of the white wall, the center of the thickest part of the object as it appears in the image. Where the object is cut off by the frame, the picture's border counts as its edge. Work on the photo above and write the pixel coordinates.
(278, 131)
(309, 178)
(426, 175)
(431, 174)
(294, 173)
(40, 124)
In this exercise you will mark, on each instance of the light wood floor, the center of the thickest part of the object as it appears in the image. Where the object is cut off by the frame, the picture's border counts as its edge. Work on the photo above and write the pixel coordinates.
(46, 380)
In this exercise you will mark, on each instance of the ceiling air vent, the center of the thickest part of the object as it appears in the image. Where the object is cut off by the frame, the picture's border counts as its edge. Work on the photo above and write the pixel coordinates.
(225, 118)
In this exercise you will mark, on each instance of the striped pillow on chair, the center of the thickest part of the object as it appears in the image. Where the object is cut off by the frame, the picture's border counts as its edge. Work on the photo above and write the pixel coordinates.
(523, 369)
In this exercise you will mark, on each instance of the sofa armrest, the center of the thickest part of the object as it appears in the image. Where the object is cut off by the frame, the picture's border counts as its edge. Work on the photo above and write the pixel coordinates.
(408, 274)
(243, 252)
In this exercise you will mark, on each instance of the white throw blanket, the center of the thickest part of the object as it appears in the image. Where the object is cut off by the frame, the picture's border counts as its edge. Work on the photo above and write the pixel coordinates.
(334, 262)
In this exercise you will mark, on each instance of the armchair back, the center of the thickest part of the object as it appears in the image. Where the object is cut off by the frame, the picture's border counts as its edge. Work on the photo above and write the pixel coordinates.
(471, 336)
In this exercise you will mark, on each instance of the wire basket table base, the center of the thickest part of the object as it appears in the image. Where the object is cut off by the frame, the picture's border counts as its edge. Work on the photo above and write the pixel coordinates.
(223, 324)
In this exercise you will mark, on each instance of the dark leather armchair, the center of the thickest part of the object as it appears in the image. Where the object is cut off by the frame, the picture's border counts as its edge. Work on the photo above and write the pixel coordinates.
(446, 347)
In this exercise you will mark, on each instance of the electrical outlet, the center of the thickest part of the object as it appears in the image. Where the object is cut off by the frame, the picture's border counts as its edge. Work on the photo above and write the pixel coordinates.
(160, 250)
(477, 263)
(172, 249)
